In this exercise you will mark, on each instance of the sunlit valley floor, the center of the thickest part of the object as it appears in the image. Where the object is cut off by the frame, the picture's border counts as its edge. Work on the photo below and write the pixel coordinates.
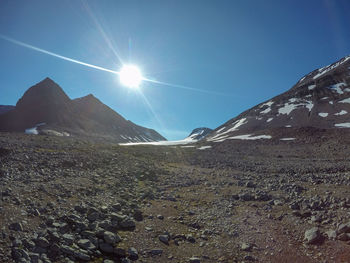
(65, 199)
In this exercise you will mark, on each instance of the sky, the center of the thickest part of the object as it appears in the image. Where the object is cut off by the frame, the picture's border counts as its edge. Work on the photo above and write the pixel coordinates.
(220, 57)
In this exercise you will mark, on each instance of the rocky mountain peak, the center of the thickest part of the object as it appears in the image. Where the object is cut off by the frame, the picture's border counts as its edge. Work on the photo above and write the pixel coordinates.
(44, 92)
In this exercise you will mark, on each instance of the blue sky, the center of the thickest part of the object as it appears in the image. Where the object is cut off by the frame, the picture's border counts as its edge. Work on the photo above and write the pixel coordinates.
(239, 53)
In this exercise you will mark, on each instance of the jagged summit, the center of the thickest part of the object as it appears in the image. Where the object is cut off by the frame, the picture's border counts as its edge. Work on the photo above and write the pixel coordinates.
(87, 97)
(321, 99)
(44, 92)
(48, 105)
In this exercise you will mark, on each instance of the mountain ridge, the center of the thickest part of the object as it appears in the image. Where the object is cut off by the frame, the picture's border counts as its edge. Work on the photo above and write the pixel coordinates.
(46, 102)
(6, 108)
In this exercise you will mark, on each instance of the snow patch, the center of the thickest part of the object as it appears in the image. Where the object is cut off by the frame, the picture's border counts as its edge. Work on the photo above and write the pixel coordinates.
(269, 103)
(34, 129)
(287, 139)
(323, 114)
(311, 87)
(267, 110)
(269, 119)
(250, 137)
(342, 112)
(292, 100)
(337, 87)
(221, 139)
(218, 139)
(236, 124)
(31, 131)
(204, 147)
(328, 68)
(345, 101)
(289, 107)
(221, 129)
(55, 133)
(309, 105)
(288, 126)
(343, 125)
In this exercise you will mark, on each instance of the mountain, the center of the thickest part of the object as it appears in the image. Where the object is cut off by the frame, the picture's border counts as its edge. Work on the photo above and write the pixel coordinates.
(319, 100)
(46, 108)
(199, 133)
(5, 108)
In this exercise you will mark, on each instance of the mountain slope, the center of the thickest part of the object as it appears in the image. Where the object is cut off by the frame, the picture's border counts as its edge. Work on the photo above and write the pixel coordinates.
(321, 99)
(47, 103)
(5, 108)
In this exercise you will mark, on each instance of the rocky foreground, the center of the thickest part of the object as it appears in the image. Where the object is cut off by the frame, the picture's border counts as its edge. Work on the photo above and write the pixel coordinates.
(73, 200)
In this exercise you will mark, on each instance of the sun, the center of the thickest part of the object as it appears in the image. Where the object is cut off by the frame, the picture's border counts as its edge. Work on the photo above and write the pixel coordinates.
(130, 76)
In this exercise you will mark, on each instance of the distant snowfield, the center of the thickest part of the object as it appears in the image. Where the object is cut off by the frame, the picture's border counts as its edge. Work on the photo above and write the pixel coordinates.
(160, 143)
(188, 141)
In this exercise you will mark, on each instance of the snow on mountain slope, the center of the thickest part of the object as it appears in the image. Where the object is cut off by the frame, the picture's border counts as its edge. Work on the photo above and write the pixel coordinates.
(195, 136)
(321, 99)
(199, 133)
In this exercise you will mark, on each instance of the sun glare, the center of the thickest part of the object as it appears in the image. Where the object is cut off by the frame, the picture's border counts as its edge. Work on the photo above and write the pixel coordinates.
(130, 76)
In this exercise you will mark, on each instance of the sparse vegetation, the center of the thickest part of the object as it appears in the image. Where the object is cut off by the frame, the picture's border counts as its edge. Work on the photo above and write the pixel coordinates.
(231, 203)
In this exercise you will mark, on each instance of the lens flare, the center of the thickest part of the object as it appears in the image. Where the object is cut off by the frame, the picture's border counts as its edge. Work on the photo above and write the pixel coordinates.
(130, 76)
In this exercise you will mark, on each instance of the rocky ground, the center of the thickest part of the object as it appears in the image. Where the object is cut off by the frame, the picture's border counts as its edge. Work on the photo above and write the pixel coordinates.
(75, 200)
